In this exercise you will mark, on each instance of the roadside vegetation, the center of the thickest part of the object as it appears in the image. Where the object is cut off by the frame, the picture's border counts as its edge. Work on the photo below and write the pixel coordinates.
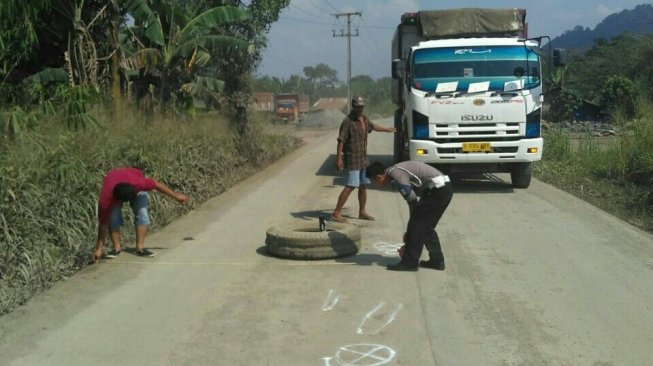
(87, 86)
(50, 180)
(599, 87)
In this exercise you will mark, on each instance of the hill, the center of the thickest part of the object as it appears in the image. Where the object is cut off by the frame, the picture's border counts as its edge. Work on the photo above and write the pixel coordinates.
(637, 20)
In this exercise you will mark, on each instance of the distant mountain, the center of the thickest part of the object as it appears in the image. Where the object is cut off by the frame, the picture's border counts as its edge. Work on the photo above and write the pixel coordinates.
(638, 20)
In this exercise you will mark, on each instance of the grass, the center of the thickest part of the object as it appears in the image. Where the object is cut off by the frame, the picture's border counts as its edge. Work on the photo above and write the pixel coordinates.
(50, 178)
(616, 177)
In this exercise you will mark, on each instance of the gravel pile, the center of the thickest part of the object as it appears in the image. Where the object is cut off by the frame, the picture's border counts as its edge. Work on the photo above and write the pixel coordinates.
(329, 118)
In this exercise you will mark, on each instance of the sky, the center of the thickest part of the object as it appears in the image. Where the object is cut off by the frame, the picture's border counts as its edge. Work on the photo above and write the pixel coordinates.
(304, 34)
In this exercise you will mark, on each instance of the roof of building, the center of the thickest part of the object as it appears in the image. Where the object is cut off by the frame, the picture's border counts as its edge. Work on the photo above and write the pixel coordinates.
(331, 103)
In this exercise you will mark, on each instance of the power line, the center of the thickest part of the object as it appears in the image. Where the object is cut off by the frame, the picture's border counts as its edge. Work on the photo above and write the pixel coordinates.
(283, 60)
(317, 7)
(307, 13)
(332, 7)
(304, 20)
(372, 38)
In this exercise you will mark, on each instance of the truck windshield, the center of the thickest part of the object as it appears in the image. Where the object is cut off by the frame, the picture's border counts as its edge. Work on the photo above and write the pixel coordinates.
(466, 65)
(286, 105)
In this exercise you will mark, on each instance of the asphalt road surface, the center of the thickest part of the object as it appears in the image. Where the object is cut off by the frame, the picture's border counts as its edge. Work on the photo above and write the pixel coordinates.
(534, 277)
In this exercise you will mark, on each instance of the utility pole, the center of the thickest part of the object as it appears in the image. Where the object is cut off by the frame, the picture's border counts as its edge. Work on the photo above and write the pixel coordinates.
(348, 35)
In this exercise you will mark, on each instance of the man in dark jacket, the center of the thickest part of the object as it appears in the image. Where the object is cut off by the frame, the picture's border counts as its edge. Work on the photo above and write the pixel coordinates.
(428, 193)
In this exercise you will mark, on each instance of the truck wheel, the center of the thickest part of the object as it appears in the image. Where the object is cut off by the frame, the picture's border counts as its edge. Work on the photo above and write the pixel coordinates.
(306, 241)
(521, 175)
(399, 154)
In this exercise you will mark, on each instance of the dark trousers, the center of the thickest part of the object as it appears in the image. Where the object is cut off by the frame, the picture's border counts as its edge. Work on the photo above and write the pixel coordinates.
(422, 223)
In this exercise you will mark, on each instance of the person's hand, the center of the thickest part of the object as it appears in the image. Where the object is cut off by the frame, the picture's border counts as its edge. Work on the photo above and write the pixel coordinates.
(181, 198)
(340, 165)
(97, 254)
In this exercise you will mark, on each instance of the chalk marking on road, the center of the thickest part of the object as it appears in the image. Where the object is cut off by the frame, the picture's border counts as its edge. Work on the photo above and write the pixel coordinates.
(387, 248)
(389, 318)
(330, 301)
(228, 263)
(364, 355)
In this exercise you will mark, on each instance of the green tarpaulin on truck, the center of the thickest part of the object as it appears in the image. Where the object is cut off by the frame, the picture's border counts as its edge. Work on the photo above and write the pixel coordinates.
(469, 22)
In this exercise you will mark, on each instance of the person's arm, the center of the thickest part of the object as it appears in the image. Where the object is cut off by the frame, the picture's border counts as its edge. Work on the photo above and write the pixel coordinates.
(179, 197)
(382, 129)
(99, 245)
(340, 165)
(343, 135)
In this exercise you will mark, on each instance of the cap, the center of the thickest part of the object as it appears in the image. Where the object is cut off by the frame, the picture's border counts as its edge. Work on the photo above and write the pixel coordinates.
(357, 102)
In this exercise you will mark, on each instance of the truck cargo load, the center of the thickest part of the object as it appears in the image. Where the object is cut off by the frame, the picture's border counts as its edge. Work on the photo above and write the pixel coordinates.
(472, 22)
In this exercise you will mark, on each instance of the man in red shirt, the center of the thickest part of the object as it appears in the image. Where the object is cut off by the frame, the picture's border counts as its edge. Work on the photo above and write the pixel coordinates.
(126, 185)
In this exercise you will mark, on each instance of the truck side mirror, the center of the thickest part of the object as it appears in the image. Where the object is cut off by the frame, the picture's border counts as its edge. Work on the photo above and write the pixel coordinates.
(398, 68)
(559, 57)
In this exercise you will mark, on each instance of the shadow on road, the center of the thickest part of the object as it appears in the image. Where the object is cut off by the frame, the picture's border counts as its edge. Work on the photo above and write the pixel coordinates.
(367, 259)
(313, 214)
(358, 259)
(328, 169)
(480, 183)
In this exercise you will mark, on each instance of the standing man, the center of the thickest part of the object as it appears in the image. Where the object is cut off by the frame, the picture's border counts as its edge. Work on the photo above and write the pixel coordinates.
(415, 179)
(127, 185)
(352, 157)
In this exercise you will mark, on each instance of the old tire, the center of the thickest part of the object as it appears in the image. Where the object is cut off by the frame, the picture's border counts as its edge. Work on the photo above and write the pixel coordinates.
(306, 241)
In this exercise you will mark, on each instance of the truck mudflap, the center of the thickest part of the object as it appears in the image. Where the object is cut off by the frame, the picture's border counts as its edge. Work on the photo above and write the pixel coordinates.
(430, 152)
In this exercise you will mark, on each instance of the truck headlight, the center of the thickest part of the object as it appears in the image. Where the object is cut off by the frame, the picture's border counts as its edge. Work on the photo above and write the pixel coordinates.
(420, 126)
(533, 123)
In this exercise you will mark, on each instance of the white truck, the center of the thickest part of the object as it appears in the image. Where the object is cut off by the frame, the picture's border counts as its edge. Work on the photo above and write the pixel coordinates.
(468, 87)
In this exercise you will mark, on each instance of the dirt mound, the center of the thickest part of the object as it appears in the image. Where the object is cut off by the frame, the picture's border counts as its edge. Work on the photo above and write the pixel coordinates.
(329, 118)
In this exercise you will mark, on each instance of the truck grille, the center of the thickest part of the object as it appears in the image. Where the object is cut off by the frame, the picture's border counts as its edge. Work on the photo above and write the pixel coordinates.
(495, 150)
(482, 129)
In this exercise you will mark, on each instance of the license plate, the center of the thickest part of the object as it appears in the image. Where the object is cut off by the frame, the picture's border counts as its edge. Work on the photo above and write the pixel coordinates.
(477, 147)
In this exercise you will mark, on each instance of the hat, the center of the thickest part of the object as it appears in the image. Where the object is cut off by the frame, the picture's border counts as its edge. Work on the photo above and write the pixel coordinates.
(358, 102)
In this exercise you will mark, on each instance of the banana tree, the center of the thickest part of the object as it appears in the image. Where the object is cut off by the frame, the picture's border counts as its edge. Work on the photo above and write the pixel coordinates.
(173, 44)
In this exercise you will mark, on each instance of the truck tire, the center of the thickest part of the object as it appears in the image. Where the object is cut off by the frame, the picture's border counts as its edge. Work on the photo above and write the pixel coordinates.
(399, 154)
(306, 241)
(520, 175)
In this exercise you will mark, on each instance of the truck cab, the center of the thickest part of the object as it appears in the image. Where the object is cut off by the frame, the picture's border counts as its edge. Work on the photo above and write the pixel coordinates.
(468, 101)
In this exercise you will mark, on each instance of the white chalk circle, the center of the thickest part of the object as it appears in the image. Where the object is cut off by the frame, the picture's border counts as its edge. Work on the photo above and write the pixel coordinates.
(387, 248)
(364, 355)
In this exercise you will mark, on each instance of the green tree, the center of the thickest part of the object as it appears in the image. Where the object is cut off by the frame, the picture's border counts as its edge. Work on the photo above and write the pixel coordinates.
(173, 41)
(321, 75)
(618, 94)
(237, 69)
(19, 27)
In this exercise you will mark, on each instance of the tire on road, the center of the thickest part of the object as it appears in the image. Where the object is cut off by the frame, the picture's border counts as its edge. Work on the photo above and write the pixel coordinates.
(306, 241)
(520, 175)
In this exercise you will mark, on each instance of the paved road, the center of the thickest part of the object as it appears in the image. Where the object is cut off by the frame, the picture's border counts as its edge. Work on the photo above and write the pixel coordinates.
(534, 277)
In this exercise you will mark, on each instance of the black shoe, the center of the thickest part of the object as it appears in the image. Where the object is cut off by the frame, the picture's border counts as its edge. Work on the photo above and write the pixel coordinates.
(433, 264)
(113, 253)
(402, 267)
(145, 253)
